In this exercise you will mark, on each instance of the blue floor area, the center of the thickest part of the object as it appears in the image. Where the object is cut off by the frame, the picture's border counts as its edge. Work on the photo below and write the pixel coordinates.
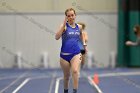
(44, 80)
(118, 84)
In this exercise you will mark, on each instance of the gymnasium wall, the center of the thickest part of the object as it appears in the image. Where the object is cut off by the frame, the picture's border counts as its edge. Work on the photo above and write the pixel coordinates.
(60, 5)
(129, 16)
(31, 31)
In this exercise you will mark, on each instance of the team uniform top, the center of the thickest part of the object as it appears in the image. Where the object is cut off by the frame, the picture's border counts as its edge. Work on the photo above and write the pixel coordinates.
(70, 39)
(80, 43)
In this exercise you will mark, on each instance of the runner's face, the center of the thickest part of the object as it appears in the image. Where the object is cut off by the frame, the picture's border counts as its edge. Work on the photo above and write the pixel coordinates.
(71, 17)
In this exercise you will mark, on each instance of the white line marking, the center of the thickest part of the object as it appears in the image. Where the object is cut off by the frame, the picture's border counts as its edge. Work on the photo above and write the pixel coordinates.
(12, 77)
(21, 76)
(40, 77)
(36, 77)
(21, 85)
(95, 85)
(57, 84)
(52, 82)
(119, 74)
(91, 82)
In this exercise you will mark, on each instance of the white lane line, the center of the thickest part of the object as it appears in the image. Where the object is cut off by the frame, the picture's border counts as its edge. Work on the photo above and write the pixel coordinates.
(119, 74)
(95, 85)
(21, 85)
(40, 77)
(52, 82)
(57, 84)
(91, 82)
(11, 77)
(12, 83)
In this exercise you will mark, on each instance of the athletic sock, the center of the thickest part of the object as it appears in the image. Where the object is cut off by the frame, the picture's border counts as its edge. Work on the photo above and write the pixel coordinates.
(65, 90)
(74, 90)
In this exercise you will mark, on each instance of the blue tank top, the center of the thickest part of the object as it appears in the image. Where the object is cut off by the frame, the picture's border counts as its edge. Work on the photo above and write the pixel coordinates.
(80, 43)
(70, 39)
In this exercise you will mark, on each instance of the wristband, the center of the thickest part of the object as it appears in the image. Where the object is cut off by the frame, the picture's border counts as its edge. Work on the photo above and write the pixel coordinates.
(85, 44)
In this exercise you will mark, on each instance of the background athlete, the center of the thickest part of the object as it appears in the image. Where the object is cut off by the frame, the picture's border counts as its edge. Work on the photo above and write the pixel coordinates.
(136, 30)
(83, 43)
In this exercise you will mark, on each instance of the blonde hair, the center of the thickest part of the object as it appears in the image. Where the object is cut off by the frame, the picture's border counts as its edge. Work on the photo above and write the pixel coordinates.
(82, 24)
(70, 9)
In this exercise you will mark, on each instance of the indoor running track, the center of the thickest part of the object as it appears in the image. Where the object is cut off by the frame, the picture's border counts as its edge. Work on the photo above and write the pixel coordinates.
(51, 81)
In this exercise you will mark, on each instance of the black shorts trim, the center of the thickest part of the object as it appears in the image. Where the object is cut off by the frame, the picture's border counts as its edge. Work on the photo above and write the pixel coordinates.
(83, 52)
